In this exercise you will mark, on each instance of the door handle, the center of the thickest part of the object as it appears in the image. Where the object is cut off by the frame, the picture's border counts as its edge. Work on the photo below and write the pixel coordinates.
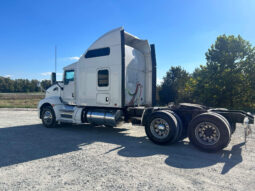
(72, 94)
(106, 99)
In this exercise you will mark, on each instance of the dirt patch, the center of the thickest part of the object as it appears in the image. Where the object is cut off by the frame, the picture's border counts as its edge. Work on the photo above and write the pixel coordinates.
(98, 158)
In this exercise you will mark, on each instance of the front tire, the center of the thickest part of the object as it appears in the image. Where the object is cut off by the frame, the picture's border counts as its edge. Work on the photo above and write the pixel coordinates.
(209, 132)
(48, 117)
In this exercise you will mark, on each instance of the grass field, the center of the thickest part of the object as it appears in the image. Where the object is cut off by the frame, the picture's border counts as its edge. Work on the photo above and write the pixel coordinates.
(20, 100)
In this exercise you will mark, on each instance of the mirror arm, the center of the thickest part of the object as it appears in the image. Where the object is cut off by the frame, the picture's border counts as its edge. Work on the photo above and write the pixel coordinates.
(59, 85)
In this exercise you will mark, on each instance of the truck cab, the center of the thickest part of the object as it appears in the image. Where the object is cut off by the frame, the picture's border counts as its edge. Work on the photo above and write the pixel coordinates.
(116, 72)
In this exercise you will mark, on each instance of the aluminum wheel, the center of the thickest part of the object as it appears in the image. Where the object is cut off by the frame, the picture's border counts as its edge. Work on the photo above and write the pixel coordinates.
(159, 128)
(47, 117)
(207, 133)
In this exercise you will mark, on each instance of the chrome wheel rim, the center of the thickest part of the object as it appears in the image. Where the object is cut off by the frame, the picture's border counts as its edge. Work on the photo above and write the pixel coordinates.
(207, 133)
(47, 117)
(159, 128)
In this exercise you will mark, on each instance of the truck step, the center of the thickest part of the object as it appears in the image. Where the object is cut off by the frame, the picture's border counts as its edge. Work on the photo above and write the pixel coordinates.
(66, 110)
(69, 116)
(66, 120)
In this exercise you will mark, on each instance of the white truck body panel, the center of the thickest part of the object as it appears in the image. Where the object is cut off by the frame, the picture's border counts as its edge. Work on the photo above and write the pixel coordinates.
(135, 76)
(98, 79)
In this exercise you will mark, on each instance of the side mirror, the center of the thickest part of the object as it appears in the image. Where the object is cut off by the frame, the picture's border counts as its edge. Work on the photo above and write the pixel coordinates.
(53, 78)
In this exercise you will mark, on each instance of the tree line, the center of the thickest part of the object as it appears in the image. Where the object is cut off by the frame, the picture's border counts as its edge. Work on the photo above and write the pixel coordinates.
(8, 85)
(226, 81)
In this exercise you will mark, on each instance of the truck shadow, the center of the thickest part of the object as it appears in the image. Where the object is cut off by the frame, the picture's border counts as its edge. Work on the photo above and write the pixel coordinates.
(26, 143)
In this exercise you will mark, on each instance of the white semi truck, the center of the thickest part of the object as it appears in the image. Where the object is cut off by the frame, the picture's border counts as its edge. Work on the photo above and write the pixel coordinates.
(115, 81)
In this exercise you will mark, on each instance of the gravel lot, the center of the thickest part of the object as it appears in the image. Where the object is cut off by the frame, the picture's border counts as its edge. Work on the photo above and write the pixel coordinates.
(99, 158)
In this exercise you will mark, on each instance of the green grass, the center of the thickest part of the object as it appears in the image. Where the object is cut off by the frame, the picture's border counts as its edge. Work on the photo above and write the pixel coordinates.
(20, 100)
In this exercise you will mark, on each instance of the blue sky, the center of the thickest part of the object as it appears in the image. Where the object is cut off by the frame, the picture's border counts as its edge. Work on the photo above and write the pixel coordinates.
(182, 30)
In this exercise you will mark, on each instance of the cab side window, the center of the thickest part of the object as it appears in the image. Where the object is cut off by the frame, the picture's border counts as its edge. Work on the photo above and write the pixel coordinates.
(98, 52)
(103, 78)
(69, 76)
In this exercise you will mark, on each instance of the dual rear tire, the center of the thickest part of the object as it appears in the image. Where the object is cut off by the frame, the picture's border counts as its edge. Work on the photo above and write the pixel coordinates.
(164, 127)
(207, 131)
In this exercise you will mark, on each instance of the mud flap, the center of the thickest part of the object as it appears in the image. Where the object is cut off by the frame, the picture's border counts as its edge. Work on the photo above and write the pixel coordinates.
(247, 129)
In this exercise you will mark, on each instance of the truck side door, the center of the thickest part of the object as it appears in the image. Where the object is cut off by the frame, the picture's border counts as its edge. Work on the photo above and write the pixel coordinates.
(69, 87)
(103, 86)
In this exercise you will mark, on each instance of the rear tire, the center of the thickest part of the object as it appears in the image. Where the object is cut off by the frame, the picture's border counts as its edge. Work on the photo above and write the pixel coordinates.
(209, 132)
(181, 134)
(48, 117)
(162, 127)
(232, 125)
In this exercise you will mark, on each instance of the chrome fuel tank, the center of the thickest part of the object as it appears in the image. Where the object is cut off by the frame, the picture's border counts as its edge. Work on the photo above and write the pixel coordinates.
(104, 117)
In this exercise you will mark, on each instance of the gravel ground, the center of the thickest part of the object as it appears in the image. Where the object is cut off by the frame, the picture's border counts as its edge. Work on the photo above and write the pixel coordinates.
(99, 158)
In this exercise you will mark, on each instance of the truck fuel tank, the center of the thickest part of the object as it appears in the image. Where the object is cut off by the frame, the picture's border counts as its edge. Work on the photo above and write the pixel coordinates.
(104, 117)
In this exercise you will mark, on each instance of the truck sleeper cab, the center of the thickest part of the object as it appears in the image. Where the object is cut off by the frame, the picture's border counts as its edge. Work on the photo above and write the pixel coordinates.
(115, 81)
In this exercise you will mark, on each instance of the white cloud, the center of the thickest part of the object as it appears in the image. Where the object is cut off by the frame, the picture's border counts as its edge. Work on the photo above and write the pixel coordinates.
(74, 58)
(159, 81)
(46, 73)
(49, 73)
(8, 76)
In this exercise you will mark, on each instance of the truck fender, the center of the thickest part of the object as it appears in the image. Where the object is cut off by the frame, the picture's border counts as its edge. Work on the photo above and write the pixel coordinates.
(54, 102)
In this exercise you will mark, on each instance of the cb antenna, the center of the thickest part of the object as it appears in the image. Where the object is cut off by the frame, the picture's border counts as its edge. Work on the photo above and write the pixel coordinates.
(55, 59)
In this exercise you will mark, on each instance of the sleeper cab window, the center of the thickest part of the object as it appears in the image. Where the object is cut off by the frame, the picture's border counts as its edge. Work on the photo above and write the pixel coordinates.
(103, 78)
(98, 52)
(69, 76)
